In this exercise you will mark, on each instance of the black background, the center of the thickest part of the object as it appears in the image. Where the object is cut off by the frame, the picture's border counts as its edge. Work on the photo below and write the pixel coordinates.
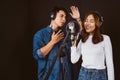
(20, 19)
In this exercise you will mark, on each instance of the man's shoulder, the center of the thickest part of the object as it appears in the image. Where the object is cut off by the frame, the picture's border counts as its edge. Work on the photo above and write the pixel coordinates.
(42, 30)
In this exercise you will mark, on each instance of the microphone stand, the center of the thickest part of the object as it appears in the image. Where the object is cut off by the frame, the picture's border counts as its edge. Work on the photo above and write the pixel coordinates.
(62, 59)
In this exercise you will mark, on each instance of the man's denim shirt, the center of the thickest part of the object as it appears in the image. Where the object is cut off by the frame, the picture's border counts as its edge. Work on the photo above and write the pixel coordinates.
(41, 38)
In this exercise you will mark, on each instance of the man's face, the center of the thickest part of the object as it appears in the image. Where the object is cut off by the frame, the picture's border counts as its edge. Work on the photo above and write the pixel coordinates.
(60, 18)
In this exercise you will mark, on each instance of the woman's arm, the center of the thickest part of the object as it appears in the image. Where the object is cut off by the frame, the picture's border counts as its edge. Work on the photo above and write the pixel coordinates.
(109, 58)
(75, 14)
(75, 52)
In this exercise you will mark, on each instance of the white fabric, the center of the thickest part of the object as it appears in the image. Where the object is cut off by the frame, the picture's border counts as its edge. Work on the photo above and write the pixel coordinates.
(95, 56)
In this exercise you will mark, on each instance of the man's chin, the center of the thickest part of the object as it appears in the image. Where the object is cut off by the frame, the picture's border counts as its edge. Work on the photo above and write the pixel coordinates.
(60, 26)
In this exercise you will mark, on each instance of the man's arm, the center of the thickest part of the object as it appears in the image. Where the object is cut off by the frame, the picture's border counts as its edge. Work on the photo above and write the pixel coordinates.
(55, 38)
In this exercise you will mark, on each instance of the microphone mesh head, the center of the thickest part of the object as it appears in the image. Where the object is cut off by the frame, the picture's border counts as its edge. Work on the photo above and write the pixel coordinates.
(73, 27)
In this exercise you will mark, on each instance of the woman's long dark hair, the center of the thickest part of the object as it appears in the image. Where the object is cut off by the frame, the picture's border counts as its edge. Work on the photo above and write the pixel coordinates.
(97, 34)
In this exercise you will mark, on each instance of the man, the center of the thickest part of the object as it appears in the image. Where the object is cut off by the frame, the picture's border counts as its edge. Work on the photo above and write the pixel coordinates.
(46, 44)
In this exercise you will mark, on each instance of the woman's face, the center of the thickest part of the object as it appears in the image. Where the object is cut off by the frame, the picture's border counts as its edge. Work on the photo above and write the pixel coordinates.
(89, 24)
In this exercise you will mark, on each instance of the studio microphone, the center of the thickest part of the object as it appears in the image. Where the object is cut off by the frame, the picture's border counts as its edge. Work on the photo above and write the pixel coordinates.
(73, 27)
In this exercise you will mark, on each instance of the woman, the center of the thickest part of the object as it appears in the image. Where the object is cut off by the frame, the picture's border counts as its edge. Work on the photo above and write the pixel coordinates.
(94, 47)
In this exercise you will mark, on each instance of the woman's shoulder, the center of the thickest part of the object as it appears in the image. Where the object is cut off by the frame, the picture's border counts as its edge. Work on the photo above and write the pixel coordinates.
(106, 37)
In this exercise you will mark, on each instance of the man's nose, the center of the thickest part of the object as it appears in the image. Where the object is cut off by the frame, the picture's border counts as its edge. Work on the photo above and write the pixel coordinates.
(64, 19)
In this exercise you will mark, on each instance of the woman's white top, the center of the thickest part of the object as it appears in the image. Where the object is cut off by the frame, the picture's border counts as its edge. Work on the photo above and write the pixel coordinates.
(95, 56)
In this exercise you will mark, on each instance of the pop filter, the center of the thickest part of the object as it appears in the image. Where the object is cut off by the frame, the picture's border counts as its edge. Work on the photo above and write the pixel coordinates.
(73, 27)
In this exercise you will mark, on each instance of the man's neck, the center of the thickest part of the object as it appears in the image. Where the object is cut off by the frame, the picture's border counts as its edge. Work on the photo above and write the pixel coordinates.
(54, 27)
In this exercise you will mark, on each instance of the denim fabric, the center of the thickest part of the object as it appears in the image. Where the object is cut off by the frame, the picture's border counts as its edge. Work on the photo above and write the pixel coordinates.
(92, 74)
(41, 38)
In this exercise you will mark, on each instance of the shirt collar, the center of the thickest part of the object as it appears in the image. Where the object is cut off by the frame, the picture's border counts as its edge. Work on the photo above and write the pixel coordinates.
(49, 29)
